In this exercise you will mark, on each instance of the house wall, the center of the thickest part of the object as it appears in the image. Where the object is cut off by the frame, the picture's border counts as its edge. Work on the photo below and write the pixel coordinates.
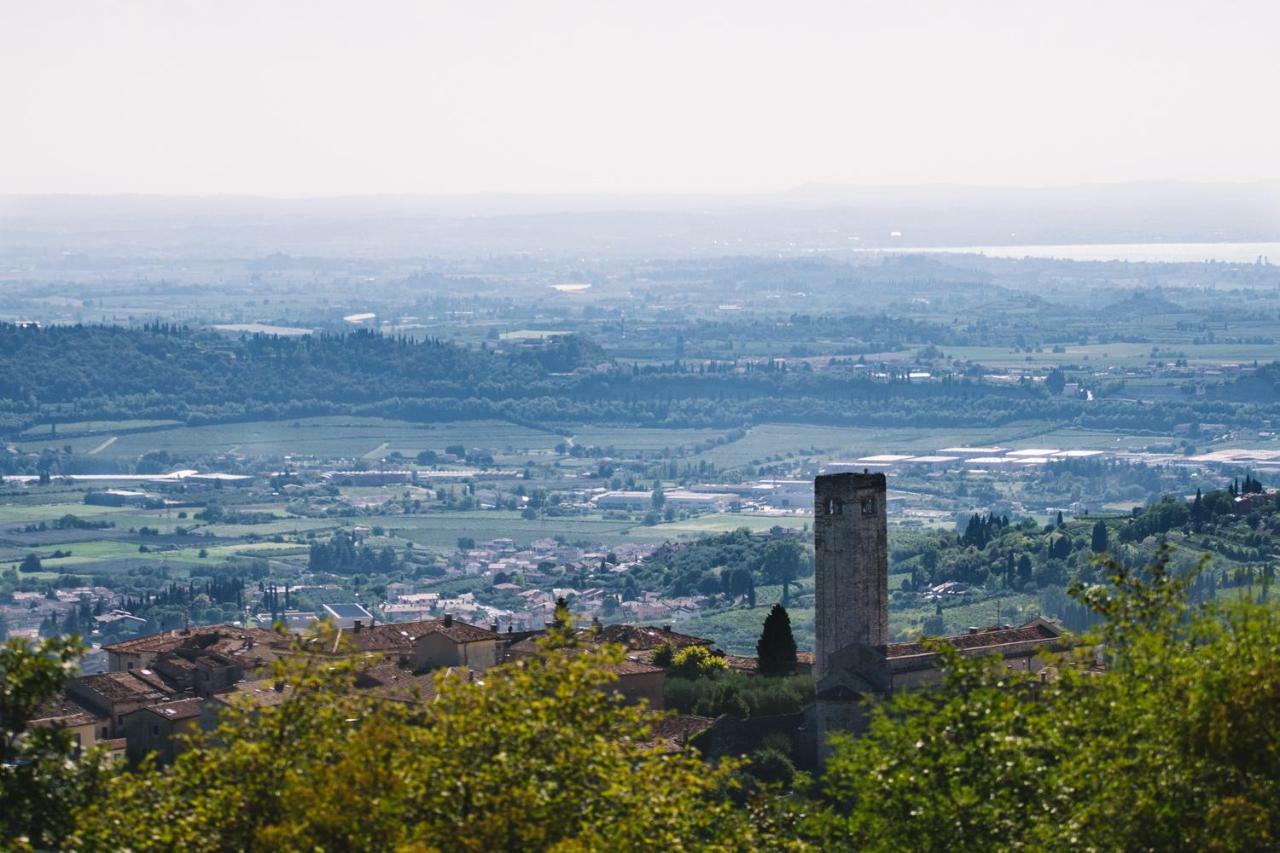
(215, 679)
(85, 735)
(435, 650)
(642, 686)
(115, 711)
(146, 732)
(130, 661)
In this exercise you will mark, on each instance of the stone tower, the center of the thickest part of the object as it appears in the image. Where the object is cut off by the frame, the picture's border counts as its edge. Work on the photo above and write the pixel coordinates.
(851, 565)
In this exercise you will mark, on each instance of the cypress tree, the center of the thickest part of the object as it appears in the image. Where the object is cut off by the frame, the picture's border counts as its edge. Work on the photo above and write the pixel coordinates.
(1099, 537)
(776, 648)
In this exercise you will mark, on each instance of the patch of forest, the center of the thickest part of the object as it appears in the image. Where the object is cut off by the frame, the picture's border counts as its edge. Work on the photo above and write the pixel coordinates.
(77, 373)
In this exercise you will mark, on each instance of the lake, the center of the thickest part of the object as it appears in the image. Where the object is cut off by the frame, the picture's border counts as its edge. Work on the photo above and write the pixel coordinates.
(1236, 253)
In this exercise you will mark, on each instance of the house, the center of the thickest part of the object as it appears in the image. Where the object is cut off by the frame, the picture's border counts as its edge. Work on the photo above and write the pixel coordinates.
(254, 647)
(429, 644)
(113, 695)
(87, 727)
(638, 679)
(346, 615)
(631, 500)
(388, 679)
(197, 670)
(159, 729)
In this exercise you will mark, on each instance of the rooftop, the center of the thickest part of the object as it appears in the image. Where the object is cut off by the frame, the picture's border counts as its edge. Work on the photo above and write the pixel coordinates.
(65, 712)
(118, 686)
(392, 636)
(169, 640)
(183, 709)
(348, 611)
(1036, 631)
(674, 733)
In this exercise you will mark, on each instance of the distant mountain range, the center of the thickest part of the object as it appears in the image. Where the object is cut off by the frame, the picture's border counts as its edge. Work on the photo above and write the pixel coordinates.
(810, 219)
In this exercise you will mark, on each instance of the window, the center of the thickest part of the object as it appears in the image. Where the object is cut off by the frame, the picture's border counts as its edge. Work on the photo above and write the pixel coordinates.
(868, 506)
(832, 506)
(155, 730)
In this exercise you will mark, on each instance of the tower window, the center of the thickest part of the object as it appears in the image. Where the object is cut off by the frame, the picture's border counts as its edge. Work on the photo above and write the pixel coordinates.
(868, 506)
(833, 506)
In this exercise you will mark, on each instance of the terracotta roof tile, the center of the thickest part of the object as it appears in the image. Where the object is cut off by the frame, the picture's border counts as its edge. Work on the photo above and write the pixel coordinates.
(394, 636)
(1032, 632)
(182, 709)
(674, 733)
(116, 686)
(65, 712)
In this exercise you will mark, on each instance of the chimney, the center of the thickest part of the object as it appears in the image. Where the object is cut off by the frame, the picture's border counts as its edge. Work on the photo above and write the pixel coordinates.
(278, 686)
(356, 626)
(448, 620)
(494, 627)
(666, 629)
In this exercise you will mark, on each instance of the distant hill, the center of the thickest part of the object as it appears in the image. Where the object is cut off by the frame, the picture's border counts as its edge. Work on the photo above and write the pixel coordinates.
(821, 218)
(1143, 302)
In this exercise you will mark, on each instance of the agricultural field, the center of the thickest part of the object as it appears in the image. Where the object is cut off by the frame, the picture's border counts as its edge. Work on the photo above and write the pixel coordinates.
(325, 437)
(94, 427)
(1117, 354)
(640, 439)
(839, 443)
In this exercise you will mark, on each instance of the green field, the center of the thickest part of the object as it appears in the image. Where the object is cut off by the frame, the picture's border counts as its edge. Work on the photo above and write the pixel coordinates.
(710, 525)
(12, 514)
(836, 443)
(1117, 354)
(641, 439)
(323, 437)
(100, 427)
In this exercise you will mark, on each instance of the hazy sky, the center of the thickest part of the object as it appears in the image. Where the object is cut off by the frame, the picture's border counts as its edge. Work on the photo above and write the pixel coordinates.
(316, 98)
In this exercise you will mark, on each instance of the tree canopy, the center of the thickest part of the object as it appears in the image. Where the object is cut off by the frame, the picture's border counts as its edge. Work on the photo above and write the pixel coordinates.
(539, 754)
(1175, 747)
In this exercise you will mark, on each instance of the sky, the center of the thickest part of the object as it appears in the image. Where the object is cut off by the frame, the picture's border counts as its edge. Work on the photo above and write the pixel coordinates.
(315, 98)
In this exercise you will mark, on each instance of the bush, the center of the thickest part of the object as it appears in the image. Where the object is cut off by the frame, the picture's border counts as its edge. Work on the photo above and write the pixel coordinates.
(772, 766)
(739, 695)
(697, 662)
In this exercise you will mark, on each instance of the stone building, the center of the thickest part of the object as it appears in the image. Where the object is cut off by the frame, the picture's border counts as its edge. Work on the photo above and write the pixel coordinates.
(851, 565)
(854, 660)
(112, 695)
(159, 730)
(425, 645)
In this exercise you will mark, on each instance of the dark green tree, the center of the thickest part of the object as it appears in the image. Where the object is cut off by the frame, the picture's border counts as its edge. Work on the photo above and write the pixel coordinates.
(1099, 543)
(780, 563)
(776, 648)
(1055, 382)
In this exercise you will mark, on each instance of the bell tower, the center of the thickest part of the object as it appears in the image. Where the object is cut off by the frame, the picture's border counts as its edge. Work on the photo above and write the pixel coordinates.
(851, 564)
